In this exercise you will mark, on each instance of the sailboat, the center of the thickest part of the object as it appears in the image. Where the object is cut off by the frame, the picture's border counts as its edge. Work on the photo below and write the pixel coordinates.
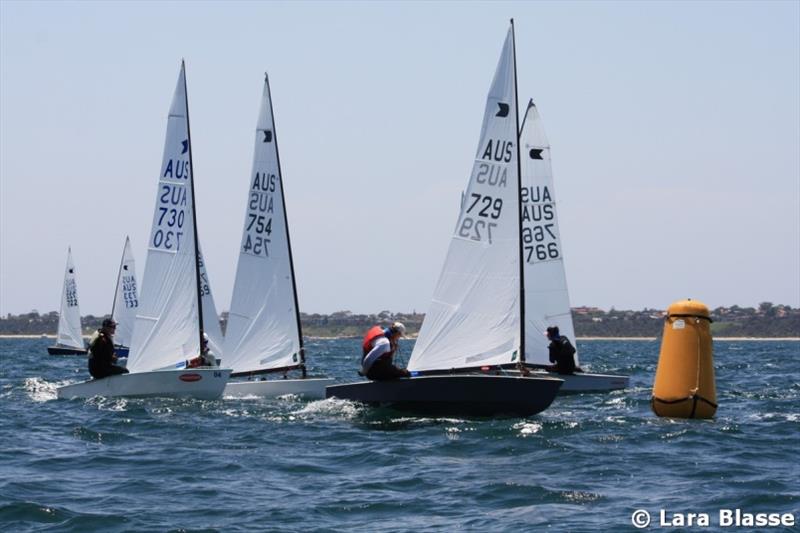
(546, 294)
(263, 335)
(69, 340)
(126, 301)
(168, 328)
(476, 319)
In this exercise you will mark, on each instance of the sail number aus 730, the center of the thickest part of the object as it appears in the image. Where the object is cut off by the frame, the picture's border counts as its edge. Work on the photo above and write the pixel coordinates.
(484, 209)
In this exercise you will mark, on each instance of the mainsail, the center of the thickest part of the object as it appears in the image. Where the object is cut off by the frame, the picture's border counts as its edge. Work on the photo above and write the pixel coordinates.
(126, 298)
(168, 319)
(546, 296)
(69, 319)
(474, 318)
(263, 329)
(210, 317)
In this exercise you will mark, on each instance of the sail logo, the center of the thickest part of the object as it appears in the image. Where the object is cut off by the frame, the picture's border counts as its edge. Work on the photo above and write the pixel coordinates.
(503, 109)
(498, 150)
(267, 136)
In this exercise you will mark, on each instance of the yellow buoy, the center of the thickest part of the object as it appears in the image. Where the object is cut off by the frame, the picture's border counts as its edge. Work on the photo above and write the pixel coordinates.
(684, 385)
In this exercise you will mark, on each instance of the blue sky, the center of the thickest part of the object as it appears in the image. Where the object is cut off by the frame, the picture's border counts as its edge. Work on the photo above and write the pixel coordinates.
(675, 133)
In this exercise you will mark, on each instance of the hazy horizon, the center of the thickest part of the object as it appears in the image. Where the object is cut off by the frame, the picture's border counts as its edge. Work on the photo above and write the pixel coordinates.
(674, 130)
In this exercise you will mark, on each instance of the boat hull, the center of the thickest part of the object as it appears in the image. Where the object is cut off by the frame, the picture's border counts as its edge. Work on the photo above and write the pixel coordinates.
(308, 388)
(65, 350)
(476, 394)
(585, 382)
(200, 383)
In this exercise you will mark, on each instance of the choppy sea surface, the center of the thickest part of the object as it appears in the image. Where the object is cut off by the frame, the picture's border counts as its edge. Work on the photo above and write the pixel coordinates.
(585, 464)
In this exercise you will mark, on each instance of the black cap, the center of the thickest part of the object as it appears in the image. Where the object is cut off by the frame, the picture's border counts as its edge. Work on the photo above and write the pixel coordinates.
(109, 323)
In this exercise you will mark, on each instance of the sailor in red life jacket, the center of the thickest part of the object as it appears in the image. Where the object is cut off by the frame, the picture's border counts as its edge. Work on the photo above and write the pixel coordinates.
(379, 348)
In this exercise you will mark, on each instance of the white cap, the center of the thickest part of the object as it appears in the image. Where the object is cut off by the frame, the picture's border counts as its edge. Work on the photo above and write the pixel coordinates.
(205, 337)
(399, 326)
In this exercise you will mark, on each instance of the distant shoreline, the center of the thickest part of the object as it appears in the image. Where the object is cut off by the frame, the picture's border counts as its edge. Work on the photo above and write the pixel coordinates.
(725, 339)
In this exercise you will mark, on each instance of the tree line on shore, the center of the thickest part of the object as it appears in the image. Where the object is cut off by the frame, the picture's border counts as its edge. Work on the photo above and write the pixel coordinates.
(766, 320)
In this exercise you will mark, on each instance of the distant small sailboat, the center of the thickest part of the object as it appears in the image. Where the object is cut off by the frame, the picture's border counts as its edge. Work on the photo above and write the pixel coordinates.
(69, 340)
(546, 294)
(170, 315)
(263, 334)
(126, 301)
(476, 319)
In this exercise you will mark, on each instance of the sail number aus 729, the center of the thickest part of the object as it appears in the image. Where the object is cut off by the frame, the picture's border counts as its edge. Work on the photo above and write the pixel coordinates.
(484, 208)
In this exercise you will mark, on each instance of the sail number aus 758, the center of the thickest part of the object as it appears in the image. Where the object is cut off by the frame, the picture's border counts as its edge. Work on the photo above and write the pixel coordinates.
(482, 207)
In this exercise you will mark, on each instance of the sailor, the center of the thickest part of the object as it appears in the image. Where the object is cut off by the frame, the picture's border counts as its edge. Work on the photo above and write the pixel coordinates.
(562, 353)
(101, 352)
(206, 357)
(379, 348)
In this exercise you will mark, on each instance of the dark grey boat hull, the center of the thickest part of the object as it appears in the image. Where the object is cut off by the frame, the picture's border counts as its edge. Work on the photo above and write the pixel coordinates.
(64, 350)
(471, 394)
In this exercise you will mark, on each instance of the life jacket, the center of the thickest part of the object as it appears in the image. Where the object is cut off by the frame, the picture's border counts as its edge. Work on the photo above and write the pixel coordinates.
(373, 333)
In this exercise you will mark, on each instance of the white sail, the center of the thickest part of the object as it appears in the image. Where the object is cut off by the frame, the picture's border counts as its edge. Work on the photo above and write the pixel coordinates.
(210, 317)
(262, 331)
(69, 319)
(126, 297)
(167, 322)
(546, 296)
(474, 318)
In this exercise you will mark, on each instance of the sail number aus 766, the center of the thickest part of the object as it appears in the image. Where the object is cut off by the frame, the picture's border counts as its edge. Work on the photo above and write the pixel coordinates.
(483, 208)
(534, 241)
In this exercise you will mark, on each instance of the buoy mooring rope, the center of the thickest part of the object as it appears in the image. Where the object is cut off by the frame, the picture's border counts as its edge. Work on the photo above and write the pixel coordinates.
(685, 386)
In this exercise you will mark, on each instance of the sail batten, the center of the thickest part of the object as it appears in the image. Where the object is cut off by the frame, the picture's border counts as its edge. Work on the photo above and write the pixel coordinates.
(263, 331)
(474, 317)
(167, 323)
(69, 318)
(547, 297)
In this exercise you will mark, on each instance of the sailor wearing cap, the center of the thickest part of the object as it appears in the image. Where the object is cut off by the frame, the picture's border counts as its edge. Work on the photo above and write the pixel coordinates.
(101, 352)
(378, 350)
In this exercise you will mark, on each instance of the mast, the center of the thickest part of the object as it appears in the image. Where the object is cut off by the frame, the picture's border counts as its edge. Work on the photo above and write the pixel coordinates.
(119, 275)
(286, 227)
(519, 207)
(194, 214)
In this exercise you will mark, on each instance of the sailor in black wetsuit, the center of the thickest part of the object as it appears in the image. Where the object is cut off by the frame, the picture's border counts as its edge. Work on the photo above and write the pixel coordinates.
(101, 352)
(562, 353)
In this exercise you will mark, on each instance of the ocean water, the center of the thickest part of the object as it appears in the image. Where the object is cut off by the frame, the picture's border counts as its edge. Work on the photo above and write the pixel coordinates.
(585, 464)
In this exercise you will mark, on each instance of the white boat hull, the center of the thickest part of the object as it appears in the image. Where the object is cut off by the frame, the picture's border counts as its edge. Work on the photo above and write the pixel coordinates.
(200, 383)
(308, 388)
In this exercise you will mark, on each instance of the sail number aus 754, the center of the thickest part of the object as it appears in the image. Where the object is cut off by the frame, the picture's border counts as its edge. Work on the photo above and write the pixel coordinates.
(536, 249)
(257, 235)
(483, 208)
